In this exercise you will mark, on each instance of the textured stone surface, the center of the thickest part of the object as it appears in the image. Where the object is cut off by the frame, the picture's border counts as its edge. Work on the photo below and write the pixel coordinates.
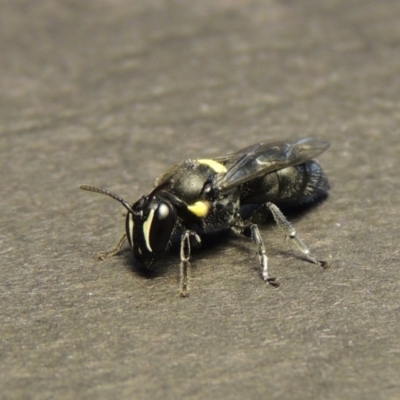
(112, 93)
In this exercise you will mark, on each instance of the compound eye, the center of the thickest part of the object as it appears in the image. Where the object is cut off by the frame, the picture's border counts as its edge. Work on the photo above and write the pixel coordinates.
(161, 227)
(163, 211)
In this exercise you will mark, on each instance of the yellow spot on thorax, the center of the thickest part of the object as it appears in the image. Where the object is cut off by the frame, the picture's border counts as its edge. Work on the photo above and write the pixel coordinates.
(199, 209)
(216, 166)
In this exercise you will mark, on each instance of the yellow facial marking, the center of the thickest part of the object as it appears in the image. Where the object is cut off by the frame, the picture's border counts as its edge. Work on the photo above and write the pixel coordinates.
(216, 166)
(199, 209)
(146, 229)
(130, 229)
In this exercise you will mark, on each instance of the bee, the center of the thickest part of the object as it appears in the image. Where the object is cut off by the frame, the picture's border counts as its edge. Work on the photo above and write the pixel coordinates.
(214, 195)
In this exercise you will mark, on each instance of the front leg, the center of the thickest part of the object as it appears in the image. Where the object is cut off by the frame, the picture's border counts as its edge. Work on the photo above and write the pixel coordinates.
(185, 261)
(113, 252)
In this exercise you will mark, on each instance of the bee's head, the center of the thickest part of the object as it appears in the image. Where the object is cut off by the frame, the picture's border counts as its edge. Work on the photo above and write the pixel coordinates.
(149, 224)
(149, 228)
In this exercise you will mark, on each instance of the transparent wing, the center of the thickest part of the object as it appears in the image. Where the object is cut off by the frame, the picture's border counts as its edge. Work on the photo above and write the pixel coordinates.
(263, 158)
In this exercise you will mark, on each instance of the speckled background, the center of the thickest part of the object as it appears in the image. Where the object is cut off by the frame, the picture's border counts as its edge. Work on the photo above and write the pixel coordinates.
(111, 93)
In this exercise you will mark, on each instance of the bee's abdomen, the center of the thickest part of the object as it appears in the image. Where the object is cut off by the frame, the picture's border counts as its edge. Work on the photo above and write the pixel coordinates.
(299, 184)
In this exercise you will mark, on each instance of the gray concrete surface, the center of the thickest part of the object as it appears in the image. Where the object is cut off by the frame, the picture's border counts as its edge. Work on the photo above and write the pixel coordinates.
(111, 93)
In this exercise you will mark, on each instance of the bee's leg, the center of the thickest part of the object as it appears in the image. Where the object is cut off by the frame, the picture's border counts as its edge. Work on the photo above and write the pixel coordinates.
(107, 254)
(290, 232)
(255, 234)
(185, 261)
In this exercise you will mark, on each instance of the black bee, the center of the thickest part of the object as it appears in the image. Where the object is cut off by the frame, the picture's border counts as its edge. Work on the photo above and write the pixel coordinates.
(197, 197)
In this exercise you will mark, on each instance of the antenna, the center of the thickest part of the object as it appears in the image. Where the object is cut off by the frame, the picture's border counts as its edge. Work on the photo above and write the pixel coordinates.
(107, 193)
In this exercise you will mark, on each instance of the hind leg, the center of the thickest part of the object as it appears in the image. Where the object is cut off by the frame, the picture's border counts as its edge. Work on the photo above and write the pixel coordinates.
(290, 232)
